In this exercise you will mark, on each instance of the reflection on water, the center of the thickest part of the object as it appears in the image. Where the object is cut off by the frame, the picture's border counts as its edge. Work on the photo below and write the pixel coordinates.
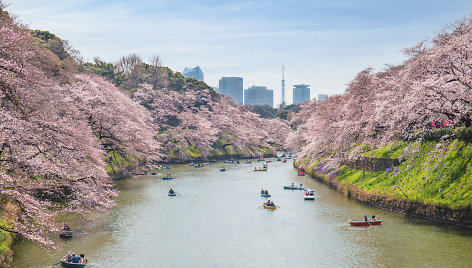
(215, 221)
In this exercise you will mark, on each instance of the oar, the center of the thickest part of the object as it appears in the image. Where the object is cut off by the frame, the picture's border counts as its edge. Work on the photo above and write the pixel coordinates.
(368, 222)
(78, 231)
(55, 264)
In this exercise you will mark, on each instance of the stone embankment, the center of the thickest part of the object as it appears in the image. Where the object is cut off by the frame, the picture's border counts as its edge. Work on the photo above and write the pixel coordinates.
(371, 164)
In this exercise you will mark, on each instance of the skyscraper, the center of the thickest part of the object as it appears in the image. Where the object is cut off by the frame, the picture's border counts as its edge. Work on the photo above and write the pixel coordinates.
(258, 95)
(282, 105)
(232, 87)
(193, 73)
(322, 97)
(301, 93)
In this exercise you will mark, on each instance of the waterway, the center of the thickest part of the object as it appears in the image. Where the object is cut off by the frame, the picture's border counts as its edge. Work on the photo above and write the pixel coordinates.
(216, 221)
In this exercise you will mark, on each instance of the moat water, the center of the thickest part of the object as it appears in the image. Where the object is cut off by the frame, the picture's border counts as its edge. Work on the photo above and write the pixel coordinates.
(216, 221)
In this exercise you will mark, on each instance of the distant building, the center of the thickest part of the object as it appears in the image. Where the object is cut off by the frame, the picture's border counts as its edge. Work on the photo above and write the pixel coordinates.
(232, 87)
(258, 95)
(301, 93)
(193, 73)
(322, 97)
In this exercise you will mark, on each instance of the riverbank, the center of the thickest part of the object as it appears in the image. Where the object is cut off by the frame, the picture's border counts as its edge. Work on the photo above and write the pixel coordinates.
(6, 238)
(6, 241)
(428, 179)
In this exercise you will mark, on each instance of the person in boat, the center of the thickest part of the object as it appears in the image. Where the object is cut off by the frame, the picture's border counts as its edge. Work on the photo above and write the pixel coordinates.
(366, 218)
(66, 227)
(374, 218)
(75, 258)
(268, 203)
(293, 185)
(262, 191)
(301, 186)
(171, 191)
(266, 192)
(83, 260)
(68, 257)
(272, 204)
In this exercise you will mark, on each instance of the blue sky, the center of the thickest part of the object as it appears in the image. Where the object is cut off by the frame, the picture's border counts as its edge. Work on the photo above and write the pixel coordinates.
(321, 43)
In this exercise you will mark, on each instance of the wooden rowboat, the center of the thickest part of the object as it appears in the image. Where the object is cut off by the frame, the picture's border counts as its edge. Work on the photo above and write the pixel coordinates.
(168, 177)
(309, 197)
(64, 263)
(365, 223)
(261, 169)
(66, 234)
(270, 207)
(293, 188)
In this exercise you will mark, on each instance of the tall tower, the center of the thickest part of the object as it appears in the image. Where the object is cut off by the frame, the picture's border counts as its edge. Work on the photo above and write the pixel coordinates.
(282, 105)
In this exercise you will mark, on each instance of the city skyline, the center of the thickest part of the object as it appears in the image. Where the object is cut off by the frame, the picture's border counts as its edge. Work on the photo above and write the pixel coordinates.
(321, 43)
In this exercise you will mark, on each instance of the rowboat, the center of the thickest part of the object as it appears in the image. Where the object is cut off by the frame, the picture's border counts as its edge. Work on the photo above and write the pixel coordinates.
(309, 195)
(154, 173)
(173, 194)
(64, 263)
(301, 173)
(222, 169)
(261, 169)
(66, 234)
(293, 188)
(270, 207)
(365, 223)
(141, 173)
(265, 195)
(168, 177)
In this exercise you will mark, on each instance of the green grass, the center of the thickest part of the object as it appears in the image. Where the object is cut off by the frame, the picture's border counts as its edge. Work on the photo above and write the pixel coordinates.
(117, 161)
(392, 150)
(436, 173)
(223, 146)
(6, 240)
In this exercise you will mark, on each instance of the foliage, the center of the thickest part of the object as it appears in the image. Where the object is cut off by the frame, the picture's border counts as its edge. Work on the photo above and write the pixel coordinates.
(432, 89)
(282, 114)
(264, 111)
(433, 173)
(106, 70)
(195, 118)
(54, 134)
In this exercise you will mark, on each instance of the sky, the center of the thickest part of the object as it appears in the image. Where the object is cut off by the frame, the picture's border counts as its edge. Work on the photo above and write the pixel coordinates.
(323, 43)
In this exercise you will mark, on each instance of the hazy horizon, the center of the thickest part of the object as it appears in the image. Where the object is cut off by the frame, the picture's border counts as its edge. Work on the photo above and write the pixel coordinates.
(320, 43)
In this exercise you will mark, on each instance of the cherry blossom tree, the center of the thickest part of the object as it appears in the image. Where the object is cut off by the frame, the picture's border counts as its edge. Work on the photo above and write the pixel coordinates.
(433, 85)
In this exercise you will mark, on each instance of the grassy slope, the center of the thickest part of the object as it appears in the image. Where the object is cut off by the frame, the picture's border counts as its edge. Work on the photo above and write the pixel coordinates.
(219, 149)
(432, 173)
(6, 238)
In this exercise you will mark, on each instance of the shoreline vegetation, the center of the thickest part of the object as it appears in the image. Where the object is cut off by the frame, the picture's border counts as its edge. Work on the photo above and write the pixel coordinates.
(399, 138)
(69, 127)
(431, 180)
